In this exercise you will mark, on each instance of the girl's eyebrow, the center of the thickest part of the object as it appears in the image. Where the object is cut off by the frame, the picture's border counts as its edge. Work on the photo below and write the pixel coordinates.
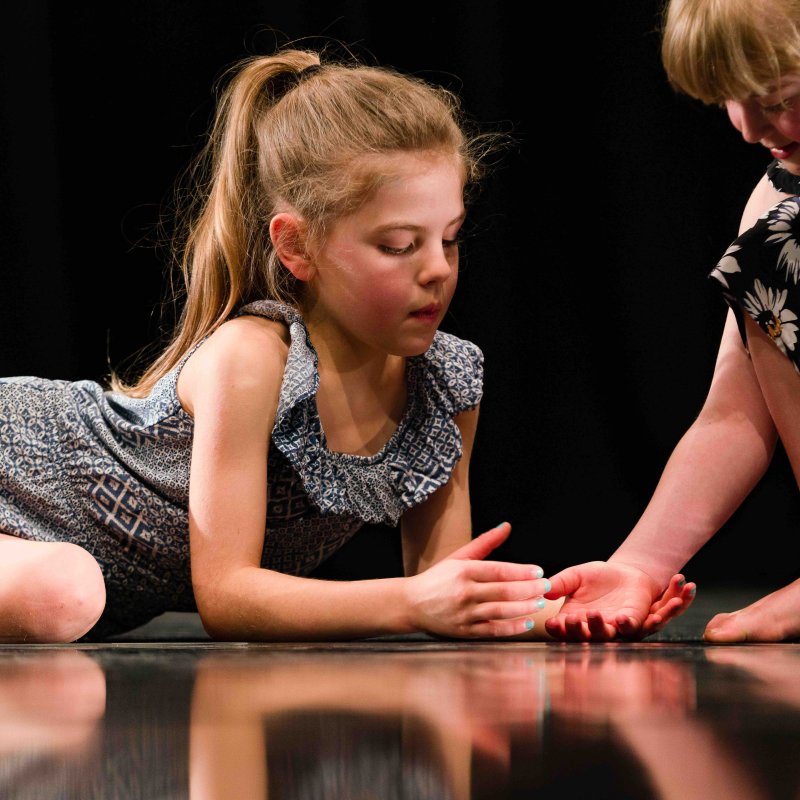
(411, 226)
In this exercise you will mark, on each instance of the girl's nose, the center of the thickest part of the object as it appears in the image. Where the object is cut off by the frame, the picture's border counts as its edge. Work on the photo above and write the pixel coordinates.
(749, 119)
(438, 266)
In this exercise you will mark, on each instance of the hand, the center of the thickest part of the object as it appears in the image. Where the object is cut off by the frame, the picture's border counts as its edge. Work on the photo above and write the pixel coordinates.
(610, 600)
(676, 598)
(463, 596)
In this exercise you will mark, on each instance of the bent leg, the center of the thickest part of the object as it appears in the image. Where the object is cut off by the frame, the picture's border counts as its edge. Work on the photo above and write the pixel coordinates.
(775, 617)
(49, 591)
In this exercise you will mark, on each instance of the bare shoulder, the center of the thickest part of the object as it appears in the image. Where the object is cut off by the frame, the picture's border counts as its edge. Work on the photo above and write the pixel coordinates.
(762, 198)
(244, 354)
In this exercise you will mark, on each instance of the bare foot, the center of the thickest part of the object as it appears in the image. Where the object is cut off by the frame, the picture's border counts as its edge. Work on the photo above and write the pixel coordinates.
(774, 618)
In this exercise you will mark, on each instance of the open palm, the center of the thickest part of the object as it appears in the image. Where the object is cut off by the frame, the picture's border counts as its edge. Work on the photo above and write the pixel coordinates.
(607, 601)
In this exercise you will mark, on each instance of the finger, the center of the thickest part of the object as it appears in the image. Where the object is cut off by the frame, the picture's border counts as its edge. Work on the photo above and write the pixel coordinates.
(655, 621)
(652, 624)
(689, 593)
(564, 583)
(492, 629)
(482, 545)
(598, 629)
(502, 571)
(499, 611)
(629, 627)
(486, 592)
(574, 628)
(555, 627)
(674, 588)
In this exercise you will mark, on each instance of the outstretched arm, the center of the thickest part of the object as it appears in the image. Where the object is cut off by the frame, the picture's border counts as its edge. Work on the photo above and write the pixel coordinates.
(713, 468)
(231, 388)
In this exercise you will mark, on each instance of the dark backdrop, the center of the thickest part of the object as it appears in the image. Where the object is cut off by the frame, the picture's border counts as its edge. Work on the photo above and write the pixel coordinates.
(584, 273)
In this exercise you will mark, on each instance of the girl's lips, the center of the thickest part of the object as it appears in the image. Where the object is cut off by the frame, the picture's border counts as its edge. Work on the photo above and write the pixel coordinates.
(427, 313)
(782, 153)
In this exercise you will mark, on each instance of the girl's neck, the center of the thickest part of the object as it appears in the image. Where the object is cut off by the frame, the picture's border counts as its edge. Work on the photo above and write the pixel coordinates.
(360, 409)
(361, 397)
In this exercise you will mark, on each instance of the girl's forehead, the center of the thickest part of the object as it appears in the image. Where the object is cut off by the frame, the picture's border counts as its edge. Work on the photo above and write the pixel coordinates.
(421, 188)
(409, 164)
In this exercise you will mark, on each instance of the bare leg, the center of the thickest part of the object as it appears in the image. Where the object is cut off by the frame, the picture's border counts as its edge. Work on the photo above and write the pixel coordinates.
(49, 591)
(775, 617)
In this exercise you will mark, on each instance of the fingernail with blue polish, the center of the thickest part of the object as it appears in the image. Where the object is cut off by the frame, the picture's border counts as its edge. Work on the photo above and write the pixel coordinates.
(538, 572)
(529, 623)
(541, 602)
(681, 583)
(693, 591)
(547, 586)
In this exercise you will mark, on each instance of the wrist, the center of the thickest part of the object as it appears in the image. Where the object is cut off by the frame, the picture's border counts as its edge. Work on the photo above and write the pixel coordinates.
(404, 606)
(657, 574)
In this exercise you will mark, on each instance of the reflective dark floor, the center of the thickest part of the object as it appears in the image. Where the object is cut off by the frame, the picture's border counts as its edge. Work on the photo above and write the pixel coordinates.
(399, 719)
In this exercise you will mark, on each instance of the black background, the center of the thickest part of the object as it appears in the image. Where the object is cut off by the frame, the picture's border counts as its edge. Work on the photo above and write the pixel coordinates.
(584, 274)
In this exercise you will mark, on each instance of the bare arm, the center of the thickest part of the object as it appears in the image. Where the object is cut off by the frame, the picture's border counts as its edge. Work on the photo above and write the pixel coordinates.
(231, 386)
(713, 468)
(718, 461)
(435, 529)
(439, 526)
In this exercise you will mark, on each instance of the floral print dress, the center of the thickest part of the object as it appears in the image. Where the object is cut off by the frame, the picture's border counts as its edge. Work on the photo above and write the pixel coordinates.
(759, 275)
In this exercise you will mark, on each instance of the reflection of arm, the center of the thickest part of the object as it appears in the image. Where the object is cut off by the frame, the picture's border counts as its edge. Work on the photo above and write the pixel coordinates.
(227, 760)
(706, 769)
(231, 703)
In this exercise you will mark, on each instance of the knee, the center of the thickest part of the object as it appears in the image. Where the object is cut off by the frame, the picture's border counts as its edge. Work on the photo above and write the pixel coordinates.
(66, 595)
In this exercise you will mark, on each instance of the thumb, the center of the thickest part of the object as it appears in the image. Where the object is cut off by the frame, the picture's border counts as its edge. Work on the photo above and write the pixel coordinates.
(564, 582)
(482, 545)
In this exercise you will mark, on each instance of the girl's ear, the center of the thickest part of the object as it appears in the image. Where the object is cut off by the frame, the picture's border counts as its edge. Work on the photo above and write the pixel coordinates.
(287, 233)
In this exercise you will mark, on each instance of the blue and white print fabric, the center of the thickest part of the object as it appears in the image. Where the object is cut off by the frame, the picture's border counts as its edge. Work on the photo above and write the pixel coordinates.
(110, 473)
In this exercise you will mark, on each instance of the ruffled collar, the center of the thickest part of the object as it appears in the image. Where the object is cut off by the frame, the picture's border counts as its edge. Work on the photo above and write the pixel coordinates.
(782, 179)
(417, 459)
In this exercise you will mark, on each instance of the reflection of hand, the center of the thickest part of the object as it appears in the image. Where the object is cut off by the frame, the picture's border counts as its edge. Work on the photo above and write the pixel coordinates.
(609, 600)
(605, 684)
(464, 596)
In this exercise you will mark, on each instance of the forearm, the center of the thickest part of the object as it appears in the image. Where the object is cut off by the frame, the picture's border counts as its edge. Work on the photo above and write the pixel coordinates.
(713, 468)
(254, 604)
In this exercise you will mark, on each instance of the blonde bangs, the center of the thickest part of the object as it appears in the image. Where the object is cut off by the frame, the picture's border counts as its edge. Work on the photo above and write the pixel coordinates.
(718, 50)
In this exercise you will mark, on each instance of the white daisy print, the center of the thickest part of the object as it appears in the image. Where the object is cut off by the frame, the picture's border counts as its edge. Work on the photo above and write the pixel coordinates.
(726, 265)
(767, 307)
(780, 220)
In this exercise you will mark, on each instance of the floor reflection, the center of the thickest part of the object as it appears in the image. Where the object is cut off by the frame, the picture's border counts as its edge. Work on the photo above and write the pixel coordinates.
(397, 720)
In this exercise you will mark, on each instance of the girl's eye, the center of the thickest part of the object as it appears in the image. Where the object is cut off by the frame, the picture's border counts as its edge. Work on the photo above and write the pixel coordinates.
(777, 108)
(395, 251)
(450, 243)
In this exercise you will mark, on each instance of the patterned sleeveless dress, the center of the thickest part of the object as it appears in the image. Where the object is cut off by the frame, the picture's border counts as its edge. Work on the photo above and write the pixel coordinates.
(759, 273)
(111, 473)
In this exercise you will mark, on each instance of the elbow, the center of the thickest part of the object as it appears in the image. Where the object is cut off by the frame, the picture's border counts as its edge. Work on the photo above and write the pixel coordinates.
(219, 613)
